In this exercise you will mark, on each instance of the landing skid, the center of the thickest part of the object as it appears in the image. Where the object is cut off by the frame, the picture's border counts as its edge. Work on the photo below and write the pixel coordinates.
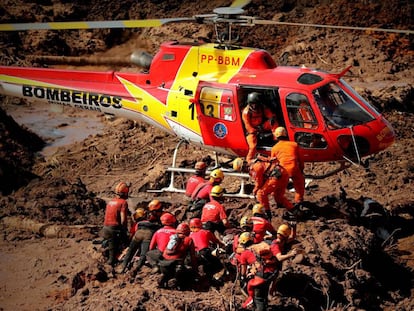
(244, 177)
(343, 165)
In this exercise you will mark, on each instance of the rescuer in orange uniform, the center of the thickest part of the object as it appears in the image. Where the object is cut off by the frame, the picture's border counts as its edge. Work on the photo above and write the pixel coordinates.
(270, 178)
(257, 119)
(116, 221)
(287, 153)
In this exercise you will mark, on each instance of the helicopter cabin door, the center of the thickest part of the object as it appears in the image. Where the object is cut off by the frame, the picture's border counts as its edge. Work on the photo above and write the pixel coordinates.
(219, 117)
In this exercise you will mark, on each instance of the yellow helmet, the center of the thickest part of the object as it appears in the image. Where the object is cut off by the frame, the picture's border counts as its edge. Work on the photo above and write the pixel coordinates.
(217, 191)
(139, 213)
(246, 222)
(245, 237)
(216, 175)
(280, 131)
(284, 230)
(258, 209)
(238, 164)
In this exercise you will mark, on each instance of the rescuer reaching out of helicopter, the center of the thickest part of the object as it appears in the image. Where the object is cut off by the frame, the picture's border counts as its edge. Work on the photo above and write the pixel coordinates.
(257, 119)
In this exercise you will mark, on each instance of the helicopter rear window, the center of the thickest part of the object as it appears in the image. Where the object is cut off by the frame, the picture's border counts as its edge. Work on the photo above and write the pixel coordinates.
(309, 79)
(338, 108)
(300, 112)
(217, 103)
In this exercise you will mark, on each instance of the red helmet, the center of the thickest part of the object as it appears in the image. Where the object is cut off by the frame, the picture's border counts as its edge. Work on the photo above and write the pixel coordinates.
(183, 228)
(195, 223)
(122, 188)
(200, 166)
(168, 219)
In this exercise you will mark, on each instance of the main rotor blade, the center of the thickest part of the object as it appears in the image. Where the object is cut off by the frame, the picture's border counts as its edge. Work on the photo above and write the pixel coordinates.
(239, 3)
(93, 24)
(270, 22)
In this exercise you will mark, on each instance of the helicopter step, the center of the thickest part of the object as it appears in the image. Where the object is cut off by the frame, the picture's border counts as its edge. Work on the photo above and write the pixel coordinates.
(244, 177)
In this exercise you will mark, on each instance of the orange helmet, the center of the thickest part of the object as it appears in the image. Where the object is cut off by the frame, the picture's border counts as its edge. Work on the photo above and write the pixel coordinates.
(258, 209)
(195, 223)
(122, 188)
(168, 219)
(154, 205)
(183, 228)
(216, 175)
(284, 230)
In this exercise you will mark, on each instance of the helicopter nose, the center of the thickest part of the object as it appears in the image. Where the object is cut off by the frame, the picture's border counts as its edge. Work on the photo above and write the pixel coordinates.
(386, 137)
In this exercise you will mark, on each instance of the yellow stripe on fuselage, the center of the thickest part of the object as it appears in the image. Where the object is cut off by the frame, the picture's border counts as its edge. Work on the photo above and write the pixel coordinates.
(155, 108)
(210, 64)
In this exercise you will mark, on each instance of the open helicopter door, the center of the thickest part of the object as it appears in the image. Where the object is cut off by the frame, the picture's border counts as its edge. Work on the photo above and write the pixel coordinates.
(219, 117)
(308, 129)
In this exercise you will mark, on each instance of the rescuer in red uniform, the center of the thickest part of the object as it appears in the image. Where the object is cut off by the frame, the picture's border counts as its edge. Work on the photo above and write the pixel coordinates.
(257, 119)
(260, 224)
(213, 215)
(173, 265)
(115, 229)
(196, 179)
(205, 242)
(160, 240)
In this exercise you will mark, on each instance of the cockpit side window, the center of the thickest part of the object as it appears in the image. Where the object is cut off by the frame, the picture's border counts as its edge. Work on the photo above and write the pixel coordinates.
(338, 108)
(300, 112)
(217, 103)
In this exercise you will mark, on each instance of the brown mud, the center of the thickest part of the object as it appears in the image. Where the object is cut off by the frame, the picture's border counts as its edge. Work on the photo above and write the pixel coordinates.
(52, 206)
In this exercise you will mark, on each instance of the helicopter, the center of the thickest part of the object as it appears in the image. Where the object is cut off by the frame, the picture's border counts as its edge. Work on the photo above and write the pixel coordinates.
(198, 90)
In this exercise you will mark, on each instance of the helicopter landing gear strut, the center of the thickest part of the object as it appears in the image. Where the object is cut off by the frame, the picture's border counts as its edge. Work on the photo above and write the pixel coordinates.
(174, 169)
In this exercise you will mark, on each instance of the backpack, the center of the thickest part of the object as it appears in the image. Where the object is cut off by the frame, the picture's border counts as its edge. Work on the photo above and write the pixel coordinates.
(264, 257)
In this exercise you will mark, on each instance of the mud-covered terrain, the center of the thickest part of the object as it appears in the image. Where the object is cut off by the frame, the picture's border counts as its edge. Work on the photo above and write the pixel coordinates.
(52, 206)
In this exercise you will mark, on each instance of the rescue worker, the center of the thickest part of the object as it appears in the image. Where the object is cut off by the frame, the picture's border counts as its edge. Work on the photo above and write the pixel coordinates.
(160, 240)
(196, 179)
(201, 194)
(287, 153)
(257, 119)
(243, 257)
(205, 242)
(285, 235)
(261, 226)
(213, 214)
(246, 225)
(173, 264)
(270, 178)
(146, 227)
(115, 229)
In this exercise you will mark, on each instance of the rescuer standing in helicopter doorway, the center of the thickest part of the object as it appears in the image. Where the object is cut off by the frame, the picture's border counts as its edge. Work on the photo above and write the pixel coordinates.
(257, 119)
(116, 221)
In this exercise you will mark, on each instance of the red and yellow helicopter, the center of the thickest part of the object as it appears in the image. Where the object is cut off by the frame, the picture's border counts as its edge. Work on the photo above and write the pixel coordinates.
(197, 91)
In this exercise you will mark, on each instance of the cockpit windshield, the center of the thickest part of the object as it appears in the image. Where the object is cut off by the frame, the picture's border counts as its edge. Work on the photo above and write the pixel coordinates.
(338, 108)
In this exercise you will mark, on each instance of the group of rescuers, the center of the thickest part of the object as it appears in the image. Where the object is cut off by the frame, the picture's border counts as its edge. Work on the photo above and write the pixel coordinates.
(204, 244)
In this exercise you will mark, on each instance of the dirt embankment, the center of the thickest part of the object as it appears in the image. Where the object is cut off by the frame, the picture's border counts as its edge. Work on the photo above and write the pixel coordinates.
(350, 262)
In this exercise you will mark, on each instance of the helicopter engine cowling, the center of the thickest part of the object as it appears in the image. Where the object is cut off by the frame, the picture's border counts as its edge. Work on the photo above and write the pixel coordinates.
(142, 59)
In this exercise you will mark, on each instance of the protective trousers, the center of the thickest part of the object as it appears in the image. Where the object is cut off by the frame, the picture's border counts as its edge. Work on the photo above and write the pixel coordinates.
(113, 235)
(298, 180)
(277, 187)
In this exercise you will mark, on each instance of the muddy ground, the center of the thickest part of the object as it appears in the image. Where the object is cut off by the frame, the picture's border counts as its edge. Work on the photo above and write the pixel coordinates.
(52, 203)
